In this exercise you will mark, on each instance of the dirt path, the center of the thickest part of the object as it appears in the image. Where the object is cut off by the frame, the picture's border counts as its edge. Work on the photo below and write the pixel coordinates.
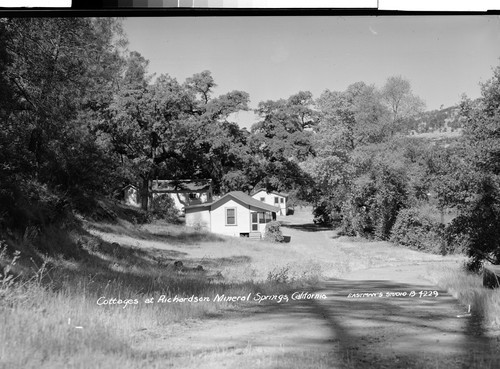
(339, 331)
(427, 330)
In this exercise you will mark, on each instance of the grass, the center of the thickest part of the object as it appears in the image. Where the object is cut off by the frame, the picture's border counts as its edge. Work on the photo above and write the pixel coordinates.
(467, 288)
(49, 316)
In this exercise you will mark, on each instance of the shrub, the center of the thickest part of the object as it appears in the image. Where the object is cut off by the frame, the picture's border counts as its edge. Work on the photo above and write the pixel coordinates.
(273, 232)
(418, 231)
(327, 213)
(375, 199)
(476, 228)
(163, 207)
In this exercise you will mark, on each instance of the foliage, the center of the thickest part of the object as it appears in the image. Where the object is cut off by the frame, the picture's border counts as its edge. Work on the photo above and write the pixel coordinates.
(365, 170)
(324, 214)
(416, 230)
(273, 232)
(51, 156)
(172, 130)
(401, 101)
(479, 206)
(163, 207)
(434, 120)
(281, 141)
(477, 227)
(279, 275)
(376, 198)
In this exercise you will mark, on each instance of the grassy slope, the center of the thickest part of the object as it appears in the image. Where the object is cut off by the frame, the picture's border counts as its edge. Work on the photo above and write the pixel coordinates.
(53, 321)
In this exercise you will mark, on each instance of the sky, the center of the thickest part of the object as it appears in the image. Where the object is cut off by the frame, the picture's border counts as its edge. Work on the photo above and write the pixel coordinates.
(275, 57)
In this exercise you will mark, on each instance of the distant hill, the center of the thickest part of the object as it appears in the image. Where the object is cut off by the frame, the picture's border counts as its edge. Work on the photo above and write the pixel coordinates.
(443, 121)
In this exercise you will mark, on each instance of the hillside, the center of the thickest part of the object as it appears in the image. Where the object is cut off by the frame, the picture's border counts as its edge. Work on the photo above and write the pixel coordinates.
(445, 121)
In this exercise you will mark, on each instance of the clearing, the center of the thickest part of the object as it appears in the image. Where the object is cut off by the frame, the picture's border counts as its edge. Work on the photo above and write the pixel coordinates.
(360, 323)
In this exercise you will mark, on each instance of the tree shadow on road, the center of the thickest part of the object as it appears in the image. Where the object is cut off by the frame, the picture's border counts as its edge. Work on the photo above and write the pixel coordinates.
(381, 330)
(307, 227)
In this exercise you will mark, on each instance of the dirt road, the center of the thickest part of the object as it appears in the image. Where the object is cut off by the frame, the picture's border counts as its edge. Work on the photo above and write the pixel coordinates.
(345, 332)
(385, 317)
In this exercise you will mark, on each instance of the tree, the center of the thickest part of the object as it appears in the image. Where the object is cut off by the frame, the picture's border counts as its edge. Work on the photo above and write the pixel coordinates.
(359, 178)
(60, 74)
(349, 120)
(280, 141)
(284, 128)
(479, 207)
(172, 130)
(401, 102)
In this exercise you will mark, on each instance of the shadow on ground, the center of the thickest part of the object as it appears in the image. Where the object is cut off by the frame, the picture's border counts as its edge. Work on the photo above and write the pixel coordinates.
(383, 332)
(308, 227)
(177, 237)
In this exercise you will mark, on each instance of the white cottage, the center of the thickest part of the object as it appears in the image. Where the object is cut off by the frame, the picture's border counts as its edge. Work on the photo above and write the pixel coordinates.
(184, 192)
(274, 198)
(234, 214)
(131, 196)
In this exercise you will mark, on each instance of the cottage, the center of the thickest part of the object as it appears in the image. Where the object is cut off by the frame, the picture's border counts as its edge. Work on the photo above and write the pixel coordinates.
(274, 198)
(131, 196)
(184, 192)
(234, 214)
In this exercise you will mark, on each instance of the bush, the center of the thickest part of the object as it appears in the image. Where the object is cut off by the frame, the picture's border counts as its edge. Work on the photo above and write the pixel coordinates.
(273, 232)
(322, 214)
(418, 231)
(375, 199)
(163, 207)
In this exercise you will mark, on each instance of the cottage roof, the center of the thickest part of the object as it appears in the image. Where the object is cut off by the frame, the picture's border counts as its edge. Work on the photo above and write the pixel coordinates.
(130, 185)
(181, 185)
(242, 197)
(273, 192)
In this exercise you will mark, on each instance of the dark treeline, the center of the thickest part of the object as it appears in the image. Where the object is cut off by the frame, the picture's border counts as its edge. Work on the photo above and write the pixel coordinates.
(81, 117)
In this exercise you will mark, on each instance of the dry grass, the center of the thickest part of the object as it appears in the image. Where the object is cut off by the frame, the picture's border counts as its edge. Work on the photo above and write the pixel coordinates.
(468, 289)
(50, 317)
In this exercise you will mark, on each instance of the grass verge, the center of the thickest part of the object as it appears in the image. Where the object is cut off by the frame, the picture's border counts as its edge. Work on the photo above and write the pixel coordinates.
(468, 289)
(52, 295)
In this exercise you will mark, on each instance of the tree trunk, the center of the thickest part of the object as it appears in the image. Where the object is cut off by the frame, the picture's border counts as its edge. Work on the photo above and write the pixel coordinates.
(145, 194)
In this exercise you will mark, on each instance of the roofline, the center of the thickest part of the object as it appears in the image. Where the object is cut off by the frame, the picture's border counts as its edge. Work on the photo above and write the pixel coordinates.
(130, 185)
(275, 208)
(184, 180)
(284, 194)
(204, 205)
(205, 185)
(204, 189)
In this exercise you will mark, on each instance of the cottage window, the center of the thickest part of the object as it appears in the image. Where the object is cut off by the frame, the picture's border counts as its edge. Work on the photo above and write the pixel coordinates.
(282, 200)
(263, 199)
(275, 199)
(262, 218)
(231, 216)
(255, 222)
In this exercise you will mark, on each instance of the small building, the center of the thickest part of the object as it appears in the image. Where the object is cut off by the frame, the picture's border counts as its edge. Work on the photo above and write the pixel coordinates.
(184, 192)
(131, 196)
(278, 199)
(234, 214)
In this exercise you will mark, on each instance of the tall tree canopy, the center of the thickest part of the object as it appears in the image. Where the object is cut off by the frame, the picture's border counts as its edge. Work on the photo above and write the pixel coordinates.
(358, 178)
(170, 130)
(281, 140)
(478, 181)
(59, 73)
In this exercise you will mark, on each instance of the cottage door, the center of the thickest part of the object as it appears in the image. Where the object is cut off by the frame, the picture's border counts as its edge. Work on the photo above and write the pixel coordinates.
(254, 221)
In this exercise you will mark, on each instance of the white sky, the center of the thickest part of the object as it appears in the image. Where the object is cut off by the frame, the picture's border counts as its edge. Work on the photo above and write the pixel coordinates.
(275, 57)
